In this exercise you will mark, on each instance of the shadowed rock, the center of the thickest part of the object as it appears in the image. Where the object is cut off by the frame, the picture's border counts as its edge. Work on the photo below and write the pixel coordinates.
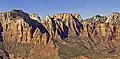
(62, 31)
(3, 53)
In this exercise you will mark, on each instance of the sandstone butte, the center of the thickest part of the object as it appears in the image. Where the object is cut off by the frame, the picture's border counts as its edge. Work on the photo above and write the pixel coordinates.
(63, 36)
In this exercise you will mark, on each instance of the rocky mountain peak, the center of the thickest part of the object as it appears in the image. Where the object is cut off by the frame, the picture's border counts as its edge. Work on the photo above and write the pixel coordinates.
(35, 17)
(115, 13)
(63, 16)
(96, 18)
(64, 31)
(15, 10)
(114, 17)
(78, 17)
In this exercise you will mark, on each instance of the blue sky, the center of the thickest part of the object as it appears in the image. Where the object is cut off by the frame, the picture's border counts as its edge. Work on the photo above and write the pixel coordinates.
(86, 8)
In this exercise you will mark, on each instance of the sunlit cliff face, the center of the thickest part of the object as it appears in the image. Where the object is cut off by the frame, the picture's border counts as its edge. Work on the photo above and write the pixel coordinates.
(65, 31)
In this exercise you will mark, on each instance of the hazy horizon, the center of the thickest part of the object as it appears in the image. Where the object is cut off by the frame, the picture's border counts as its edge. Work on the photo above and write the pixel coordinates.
(86, 8)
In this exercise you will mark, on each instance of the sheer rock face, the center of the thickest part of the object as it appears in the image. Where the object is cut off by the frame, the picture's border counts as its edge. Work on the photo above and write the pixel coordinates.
(103, 29)
(94, 33)
(22, 27)
(71, 21)
(17, 26)
(61, 25)
(96, 24)
(102, 23)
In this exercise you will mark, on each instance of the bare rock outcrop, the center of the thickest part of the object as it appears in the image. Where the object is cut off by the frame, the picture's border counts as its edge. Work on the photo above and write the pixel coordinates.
(35, 17)
(68, 32)
(71, 21)
(18, 26)
(114, 17)
(22, 27)
(3, 50)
